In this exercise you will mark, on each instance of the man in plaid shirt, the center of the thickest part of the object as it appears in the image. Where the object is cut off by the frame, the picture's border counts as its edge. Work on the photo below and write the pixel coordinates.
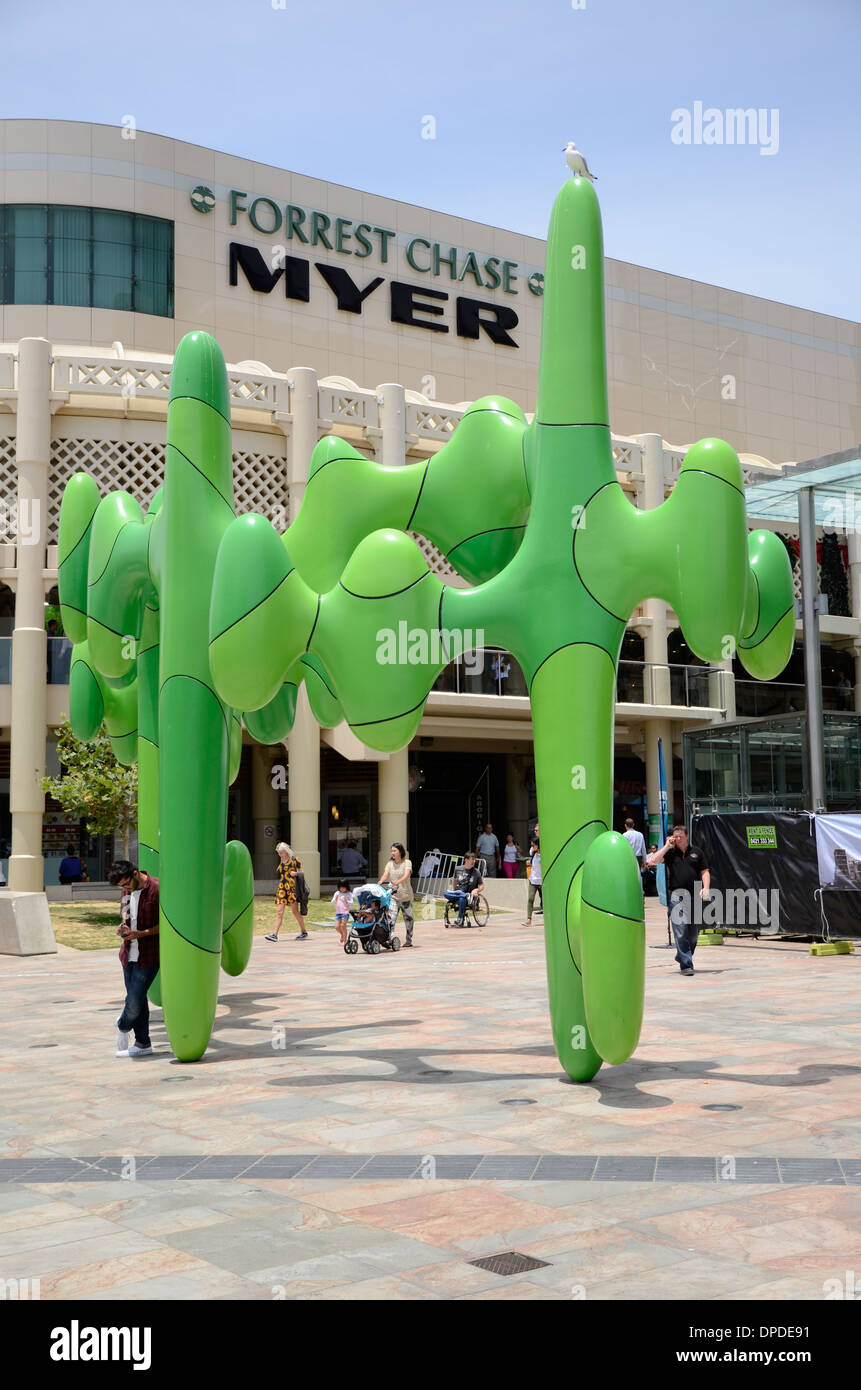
(139, 953)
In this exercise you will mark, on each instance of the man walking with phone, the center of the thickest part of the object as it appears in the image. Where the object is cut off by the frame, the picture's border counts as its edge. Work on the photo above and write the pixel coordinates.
(685, 864)
(138, 955)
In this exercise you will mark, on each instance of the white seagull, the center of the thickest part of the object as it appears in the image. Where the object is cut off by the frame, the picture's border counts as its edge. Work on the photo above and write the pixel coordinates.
(577, 162)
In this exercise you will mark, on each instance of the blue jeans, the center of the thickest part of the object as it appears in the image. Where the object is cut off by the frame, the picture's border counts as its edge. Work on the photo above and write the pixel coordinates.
(461, 899)
(135, 1014)
(684, 931)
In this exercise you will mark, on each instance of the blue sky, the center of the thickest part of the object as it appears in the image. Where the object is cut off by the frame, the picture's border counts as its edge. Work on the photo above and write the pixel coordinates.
(338, 89)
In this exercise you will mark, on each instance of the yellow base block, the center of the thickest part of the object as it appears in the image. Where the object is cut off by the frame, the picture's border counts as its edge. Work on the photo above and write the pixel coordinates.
(832, 948)
(710, 938)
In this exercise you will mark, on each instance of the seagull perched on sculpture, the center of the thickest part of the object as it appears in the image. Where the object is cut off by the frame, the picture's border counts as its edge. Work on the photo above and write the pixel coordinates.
(577, 162)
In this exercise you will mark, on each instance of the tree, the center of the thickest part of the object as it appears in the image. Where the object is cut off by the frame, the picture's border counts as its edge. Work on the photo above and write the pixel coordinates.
(94, 785)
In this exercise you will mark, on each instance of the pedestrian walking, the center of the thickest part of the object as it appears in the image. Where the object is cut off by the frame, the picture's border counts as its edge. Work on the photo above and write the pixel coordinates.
(139, 954)
(398, 872)
(287, 896)
(685, 864)
(342, 899)
(487, 848)
(535, 880)
(510, 856)
(636, 841)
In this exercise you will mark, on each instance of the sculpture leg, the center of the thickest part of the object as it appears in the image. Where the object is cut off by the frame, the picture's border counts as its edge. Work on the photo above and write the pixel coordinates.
(238, 908)
(572, 705)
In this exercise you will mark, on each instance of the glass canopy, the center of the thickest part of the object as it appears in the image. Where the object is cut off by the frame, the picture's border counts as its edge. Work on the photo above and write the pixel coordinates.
(837, 496)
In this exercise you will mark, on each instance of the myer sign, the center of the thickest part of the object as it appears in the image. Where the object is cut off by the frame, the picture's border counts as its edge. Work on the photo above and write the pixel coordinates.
(419, 306)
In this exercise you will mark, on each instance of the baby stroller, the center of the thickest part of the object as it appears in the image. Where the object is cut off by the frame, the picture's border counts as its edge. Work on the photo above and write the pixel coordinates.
(372, 926)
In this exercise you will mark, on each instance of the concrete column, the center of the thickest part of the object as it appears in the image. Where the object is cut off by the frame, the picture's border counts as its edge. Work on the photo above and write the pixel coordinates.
(264, 805)
(29, 641)
(722, 687)
(303, 744)
(517, 800)
(656, 686)
(394, 801)
(391, 399)
(658, 729)
(303, 436)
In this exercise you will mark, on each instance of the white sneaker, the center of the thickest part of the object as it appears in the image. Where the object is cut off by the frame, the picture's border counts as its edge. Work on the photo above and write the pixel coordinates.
(122, 1041)
(135, 1051)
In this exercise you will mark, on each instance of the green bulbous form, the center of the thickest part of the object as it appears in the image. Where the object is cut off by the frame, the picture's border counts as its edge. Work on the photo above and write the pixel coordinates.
(559, 561)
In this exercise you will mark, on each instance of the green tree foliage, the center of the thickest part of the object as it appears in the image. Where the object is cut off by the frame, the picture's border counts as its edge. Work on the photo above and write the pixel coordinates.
(94, 785)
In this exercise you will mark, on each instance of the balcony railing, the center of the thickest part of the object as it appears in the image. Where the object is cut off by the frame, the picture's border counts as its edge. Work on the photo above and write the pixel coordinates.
(492, 671)
(489, 671)
(754, 699)
(646, 683)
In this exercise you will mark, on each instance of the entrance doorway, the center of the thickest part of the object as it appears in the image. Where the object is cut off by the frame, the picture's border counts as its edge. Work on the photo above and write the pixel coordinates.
(348, 821)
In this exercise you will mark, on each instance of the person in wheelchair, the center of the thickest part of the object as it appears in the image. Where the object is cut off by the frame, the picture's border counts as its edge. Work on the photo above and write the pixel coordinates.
(466, 884)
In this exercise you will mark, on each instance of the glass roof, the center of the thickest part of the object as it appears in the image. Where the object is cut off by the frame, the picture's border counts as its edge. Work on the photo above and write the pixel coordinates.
(837, 496)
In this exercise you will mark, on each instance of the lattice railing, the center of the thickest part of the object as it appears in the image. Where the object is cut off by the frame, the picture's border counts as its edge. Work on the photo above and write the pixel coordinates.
(347, 406)
(137, 467)
(131, 377)
(627, 455)
(432, 421)
(8, 490)
(107, 376)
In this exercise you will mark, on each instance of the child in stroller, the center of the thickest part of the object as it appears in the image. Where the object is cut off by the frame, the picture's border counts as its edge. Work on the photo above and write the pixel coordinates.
(372, 926)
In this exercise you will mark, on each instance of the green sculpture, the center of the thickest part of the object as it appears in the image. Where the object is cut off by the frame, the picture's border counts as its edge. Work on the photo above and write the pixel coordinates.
(346, 602)
(559, 559)
(135, 594)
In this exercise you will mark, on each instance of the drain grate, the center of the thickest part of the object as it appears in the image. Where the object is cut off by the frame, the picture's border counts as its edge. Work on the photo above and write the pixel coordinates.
(509, 1262)
(720, 1107)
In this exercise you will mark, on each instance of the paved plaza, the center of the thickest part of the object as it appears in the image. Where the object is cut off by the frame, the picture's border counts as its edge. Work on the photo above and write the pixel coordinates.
(367, 1127)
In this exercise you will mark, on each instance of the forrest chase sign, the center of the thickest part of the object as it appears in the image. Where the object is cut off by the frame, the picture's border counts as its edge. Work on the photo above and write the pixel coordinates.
(284, 270)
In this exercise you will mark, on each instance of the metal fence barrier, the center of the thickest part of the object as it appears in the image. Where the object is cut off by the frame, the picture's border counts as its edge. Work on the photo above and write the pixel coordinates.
(436, 871)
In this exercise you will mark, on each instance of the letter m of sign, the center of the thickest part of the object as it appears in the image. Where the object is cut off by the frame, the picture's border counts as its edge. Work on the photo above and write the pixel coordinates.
(250, 261)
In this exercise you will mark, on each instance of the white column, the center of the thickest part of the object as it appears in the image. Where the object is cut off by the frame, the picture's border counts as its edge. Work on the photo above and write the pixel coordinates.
(391, 399)
(303, 435)
(29, 641)
(516, 799)
(394, 800)
(657, 676)
(722, 687)
(264, 805)
(303, 784)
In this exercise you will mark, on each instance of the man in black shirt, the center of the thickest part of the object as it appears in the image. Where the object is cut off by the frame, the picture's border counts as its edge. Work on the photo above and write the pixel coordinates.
(685, 864)
(467, 880)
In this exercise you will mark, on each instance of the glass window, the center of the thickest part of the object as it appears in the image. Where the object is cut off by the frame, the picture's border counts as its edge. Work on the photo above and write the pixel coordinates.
(90, 257)
(112, 292)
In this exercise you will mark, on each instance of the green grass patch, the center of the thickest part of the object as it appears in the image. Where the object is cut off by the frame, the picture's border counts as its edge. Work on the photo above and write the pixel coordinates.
(91, 926)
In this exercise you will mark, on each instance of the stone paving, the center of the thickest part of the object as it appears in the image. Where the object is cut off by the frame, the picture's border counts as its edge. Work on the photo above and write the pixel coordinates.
(383, 1121)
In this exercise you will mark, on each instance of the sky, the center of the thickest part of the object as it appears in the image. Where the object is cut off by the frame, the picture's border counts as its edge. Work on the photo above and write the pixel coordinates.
(343, 89)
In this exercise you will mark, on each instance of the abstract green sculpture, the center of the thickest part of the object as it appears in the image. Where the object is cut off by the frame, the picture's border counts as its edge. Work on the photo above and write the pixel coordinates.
(559, 559)
(135, 595)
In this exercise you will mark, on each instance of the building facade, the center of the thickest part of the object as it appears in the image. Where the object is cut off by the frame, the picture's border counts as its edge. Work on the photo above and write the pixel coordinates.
(341, 311)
